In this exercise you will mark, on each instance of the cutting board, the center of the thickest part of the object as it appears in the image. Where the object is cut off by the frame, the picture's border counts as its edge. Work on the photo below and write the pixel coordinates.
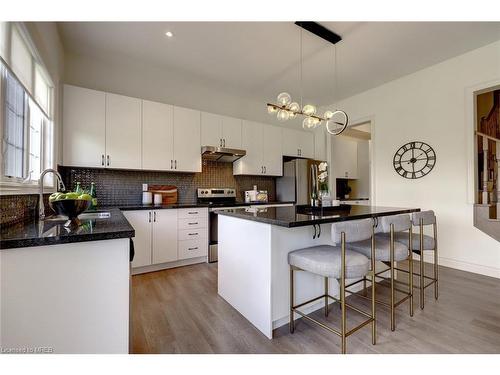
(168, 192)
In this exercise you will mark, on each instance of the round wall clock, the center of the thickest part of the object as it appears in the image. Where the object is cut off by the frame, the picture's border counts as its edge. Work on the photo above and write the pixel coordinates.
(414, 160)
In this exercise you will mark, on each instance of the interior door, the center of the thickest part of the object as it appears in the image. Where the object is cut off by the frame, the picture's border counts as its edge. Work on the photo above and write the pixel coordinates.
(231, 132)
(157, 136)
(272, 152)
(164, 236)
(84, 127)
(141, 222)
(187, 140)
(211, 129)
(123, 132)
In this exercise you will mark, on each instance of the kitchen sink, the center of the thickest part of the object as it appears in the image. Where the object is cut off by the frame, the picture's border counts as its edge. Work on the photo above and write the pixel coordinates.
(84, 216)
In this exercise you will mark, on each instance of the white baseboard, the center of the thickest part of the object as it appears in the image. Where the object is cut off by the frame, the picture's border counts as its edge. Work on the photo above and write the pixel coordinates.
(469, 267)
(164, 266)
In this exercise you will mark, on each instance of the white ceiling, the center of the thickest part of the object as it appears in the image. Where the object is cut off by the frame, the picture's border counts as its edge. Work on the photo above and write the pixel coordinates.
(259, 59)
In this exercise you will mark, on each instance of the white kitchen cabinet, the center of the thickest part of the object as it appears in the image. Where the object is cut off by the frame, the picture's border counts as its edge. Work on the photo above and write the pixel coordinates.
(320, 135)
(84, 127)
(141, 222)
(298, 143)
(263, 150)
(164, 236)
(157, 136)
(123, 132)
(220, 131)
(187, 140)
(192, 233)
(272, 156)
(345, 157)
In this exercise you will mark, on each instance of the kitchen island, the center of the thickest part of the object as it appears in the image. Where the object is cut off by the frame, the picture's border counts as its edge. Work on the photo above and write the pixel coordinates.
(253, 272)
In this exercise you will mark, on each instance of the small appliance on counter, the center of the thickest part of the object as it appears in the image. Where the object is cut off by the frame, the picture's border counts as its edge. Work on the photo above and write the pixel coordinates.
(256, 196)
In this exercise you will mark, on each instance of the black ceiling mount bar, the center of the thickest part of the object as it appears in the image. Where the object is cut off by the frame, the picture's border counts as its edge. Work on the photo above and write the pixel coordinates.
(320, 31)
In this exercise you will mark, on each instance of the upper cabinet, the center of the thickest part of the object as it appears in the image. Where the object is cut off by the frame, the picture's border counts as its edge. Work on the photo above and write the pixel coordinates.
(187, 145)
(220, 131)
(298, 143)
(344, 157)
(84, 132)
(157, 136)
(263, 150)
(320, 135)
(123, 132)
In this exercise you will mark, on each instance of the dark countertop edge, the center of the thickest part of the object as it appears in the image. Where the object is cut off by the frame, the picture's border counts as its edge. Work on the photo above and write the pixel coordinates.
(188, 205)
(327, 220)
(46, 241)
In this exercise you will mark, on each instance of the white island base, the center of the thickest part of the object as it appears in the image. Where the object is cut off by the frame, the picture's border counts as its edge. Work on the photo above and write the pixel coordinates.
(253, 271)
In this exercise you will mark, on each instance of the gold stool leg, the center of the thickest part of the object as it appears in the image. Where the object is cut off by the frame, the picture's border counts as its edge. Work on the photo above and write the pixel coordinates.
(326, 296)
(393, 323)
(435, 263)
(292, 322)
(364, 287)
(342, 295)
(410, 270)
(422, 264)
(374, 322)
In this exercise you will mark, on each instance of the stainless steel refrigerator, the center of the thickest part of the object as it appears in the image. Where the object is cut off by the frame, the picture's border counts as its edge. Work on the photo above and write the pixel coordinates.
(294, 185)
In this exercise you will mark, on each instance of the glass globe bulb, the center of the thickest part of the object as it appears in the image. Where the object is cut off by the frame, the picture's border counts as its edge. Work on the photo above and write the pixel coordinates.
(294, 107)
(308, 123)
(284, 98)
(328, 115)
(293, 115)
(271, 109)
(283, 115)
(309, 110)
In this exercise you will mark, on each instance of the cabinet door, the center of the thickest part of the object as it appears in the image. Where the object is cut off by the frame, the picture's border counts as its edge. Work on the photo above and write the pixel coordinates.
(84, 127)
(306, 144)
(345, 157)
(320, 136)
(211, 129)
(157, 136)
(141, 221)
(231, 132)
(272, 154)
(291, 142)
(164, 236)
(123, 132)
(187, 147)
(251, 163)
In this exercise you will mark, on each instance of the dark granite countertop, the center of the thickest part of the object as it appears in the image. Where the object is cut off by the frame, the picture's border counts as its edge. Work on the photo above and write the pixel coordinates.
(298, 216)
(53, 232)
(190, 205)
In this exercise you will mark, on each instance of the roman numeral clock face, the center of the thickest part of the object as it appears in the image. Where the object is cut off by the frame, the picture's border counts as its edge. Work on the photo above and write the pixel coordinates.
(414, 160)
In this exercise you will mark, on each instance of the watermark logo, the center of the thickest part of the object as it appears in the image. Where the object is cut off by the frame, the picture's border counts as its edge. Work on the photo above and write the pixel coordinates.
(28, 350)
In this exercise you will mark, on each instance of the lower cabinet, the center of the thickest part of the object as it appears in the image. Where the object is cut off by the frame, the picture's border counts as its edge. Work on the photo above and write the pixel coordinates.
(168, 235)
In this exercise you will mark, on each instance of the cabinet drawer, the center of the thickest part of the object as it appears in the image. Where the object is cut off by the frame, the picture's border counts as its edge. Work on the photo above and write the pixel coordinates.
(193, 223)
(187, 213)
(192, 234)
(193, 248)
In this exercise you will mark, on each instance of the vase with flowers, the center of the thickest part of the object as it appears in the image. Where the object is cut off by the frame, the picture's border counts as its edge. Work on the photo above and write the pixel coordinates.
(324, 193)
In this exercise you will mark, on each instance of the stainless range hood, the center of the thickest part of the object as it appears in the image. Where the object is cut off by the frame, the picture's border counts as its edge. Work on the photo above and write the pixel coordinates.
(221, 154)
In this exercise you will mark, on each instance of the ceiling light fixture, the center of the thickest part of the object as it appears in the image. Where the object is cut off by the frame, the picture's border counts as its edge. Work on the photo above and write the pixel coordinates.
(169, 34)
(285, 109)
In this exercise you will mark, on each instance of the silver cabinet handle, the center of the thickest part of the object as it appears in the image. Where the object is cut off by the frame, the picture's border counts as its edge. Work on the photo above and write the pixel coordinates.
(192, 212)
(265, 170)
(102, 160)
(224, 142)
(107, 158)
(154, 214)
(192, 223)
(176, 164)
(150, 216)
(192, 234)
(171, 164)
(220, 142)
(193, 248)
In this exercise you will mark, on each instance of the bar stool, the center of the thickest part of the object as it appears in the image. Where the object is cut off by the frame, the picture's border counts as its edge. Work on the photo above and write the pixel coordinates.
(389, 251)
(422, 242)
(338, 263)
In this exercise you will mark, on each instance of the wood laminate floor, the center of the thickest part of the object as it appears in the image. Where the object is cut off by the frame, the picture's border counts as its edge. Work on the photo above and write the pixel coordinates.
(179, 311)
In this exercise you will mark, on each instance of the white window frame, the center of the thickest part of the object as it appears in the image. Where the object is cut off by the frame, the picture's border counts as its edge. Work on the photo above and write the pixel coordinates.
(12, 185)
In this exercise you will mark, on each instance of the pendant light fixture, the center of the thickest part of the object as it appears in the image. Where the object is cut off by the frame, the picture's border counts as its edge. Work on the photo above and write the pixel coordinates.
(285, 109)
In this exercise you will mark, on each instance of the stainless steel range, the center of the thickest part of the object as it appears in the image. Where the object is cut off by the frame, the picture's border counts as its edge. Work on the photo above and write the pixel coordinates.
(217, 199)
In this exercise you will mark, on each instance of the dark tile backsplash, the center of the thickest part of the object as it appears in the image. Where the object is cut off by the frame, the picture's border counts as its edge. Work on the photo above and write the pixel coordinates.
(18, 208)
(122, 187)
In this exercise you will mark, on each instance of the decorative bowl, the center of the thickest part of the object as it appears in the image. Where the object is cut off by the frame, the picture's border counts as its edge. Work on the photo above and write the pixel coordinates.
(70, 208)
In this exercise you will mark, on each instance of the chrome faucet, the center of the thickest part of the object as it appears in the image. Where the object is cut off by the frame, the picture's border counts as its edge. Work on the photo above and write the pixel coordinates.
(60, 186)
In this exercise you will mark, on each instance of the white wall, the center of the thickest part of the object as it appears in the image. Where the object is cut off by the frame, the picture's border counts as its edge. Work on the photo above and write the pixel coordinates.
(429, 105)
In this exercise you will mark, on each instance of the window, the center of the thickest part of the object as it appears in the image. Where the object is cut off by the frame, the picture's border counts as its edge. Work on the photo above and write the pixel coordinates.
(26, 97)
